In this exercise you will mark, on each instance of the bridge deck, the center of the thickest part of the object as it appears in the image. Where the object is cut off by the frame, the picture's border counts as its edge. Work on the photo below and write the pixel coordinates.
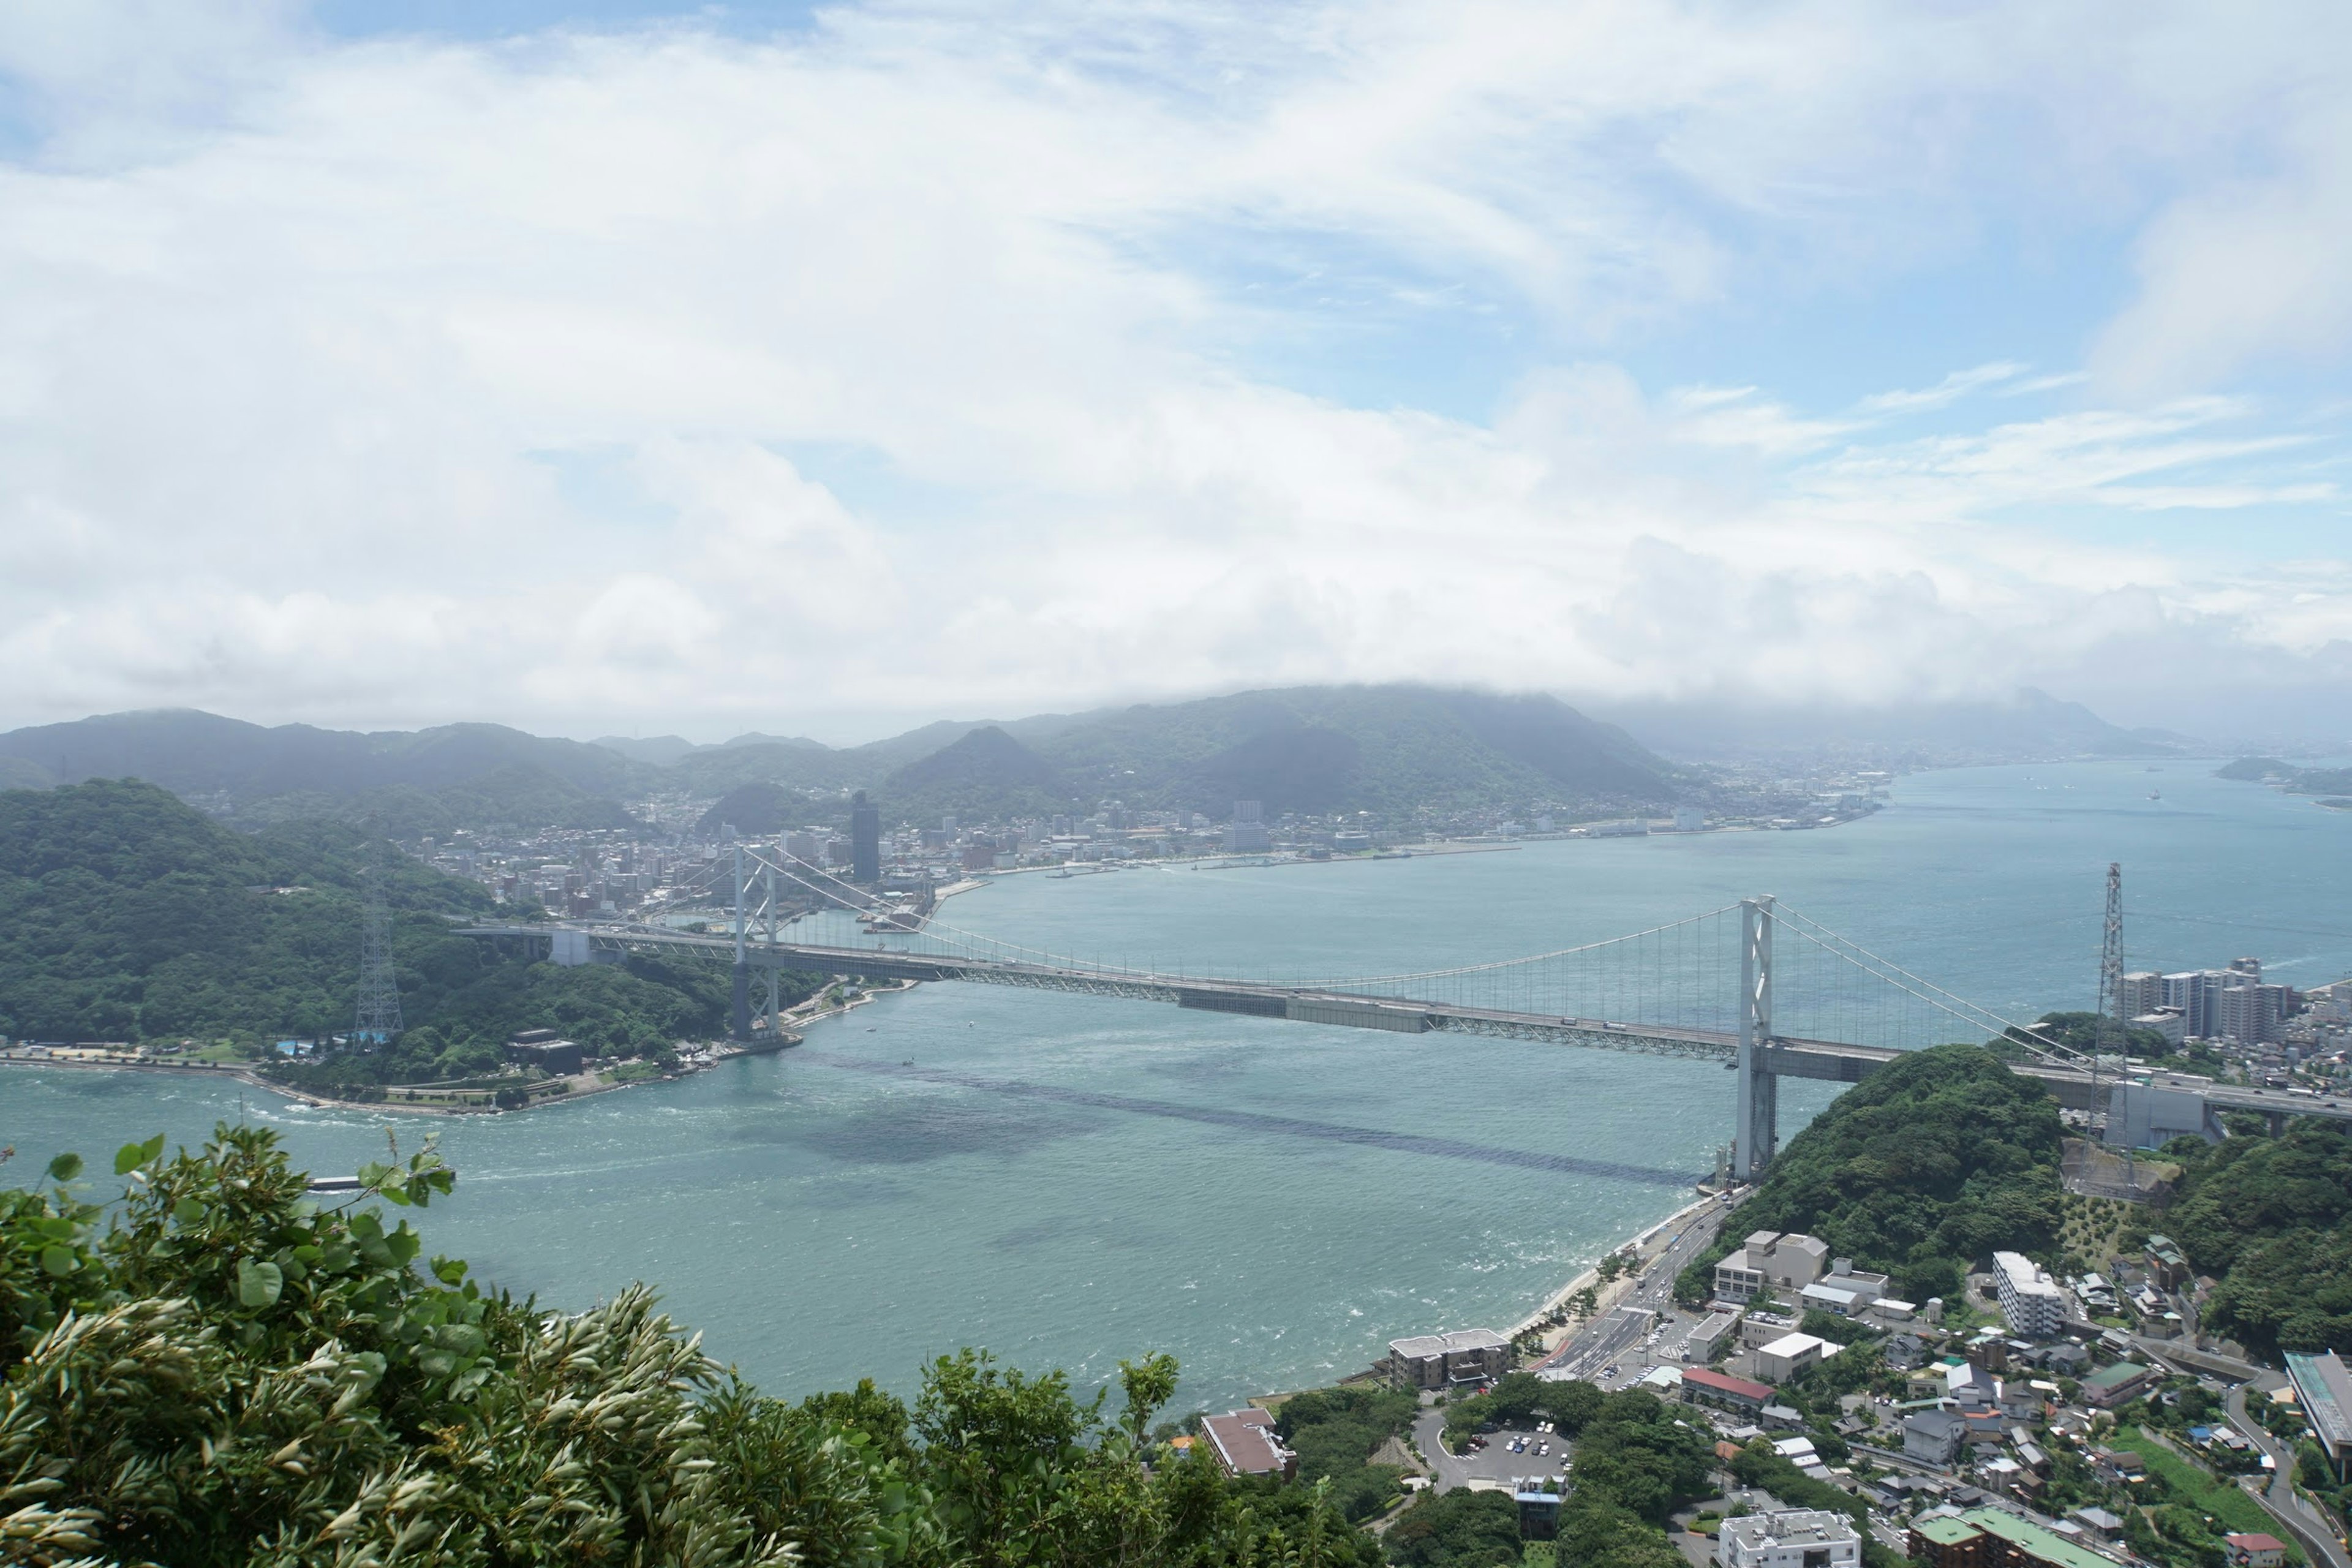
(1833, 1061)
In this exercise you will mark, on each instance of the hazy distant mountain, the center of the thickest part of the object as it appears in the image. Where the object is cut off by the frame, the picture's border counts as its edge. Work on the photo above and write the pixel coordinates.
(412, 782)
(756, 809)
(1311, 749)
(984, 773)
(190, 751)
(659, 750)
(2029, 726)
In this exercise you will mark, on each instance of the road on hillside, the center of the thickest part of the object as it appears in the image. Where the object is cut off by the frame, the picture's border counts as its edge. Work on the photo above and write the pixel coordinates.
(2302, 1520)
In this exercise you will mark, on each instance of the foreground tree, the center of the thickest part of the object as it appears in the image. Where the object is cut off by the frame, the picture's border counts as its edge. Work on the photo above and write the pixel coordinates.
(217, 1370)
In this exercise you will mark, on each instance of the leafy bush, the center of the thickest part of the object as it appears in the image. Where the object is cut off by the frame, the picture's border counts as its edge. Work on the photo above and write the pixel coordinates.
(218, 1371)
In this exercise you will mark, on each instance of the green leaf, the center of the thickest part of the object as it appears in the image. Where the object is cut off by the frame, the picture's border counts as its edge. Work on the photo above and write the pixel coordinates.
(259, 1284)
(129, 1158)
(65, 1167)
(189, 1212)
(59, 1260)
(152, 1151)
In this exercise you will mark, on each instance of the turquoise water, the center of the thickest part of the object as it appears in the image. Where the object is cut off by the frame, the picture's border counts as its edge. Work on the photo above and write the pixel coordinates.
(1069, 1180)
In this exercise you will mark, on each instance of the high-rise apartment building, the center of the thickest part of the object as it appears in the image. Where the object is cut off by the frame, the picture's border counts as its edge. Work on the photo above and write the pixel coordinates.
(865, 840)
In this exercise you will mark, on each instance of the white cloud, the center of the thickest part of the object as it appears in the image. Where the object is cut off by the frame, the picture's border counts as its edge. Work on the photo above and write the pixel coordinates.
(905, 372)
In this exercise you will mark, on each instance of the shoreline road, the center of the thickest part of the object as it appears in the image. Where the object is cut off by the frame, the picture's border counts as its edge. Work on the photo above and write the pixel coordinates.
(2300, 1520)
(1618, 1336)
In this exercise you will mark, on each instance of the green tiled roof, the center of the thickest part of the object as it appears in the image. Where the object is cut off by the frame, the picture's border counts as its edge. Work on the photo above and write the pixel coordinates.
(2034, 1541)
(1946, 1528)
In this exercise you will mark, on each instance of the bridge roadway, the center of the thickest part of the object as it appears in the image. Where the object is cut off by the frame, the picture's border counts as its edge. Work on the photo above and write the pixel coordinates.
(1828, 1060)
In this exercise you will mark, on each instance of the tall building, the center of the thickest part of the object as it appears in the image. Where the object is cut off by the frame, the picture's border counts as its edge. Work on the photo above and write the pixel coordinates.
(2030, 1300)
(865, 840)
(2143, 993)
(2251, 1015)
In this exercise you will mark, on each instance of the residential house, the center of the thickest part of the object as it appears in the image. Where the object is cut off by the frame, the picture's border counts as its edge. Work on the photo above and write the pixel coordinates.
(2255, 1550)
(1933, 1437)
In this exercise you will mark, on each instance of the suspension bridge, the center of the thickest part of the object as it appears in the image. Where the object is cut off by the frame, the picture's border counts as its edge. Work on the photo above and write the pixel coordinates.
(1754, 984)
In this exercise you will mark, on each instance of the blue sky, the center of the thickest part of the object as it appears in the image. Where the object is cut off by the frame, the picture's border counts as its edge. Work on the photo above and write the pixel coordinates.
(374, 364)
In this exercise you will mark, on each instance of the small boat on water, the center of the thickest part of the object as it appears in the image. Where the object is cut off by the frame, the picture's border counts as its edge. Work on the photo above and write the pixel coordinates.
(2154, 794)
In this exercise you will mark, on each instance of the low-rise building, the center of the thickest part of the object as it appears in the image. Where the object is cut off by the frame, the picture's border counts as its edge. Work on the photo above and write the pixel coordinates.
(1790, 1354)
(2255, 1550)
(1933, 1437)
(1246, 1444)
(2111, 1386)
(1539, 1499)
(1768, 1262)
(1793, 1538)
(1708, 1336)
(1440, 1361)
(1994, 1538)
(1703, 1385)
(1763, 1328)
(2325, 1391)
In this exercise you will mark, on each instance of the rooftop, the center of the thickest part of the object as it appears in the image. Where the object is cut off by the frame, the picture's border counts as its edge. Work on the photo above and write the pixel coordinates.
(2047, 1545)
(1244, 1440)
(1724, 1382)
(1421, 1345)
(2325, 1394)
(1797, 1527)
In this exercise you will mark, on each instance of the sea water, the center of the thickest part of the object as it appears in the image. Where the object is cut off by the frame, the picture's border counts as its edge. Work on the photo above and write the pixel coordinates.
(1069, 1180)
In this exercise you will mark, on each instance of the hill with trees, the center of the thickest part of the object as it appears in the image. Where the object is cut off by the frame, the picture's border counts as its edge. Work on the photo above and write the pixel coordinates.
(2272, 1219)
(1929, 1164)
(126, 914)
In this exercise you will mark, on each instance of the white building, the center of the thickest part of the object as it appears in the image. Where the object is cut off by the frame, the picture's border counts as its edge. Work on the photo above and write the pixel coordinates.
(2030, 1300)
(1798, 1537)
(1768, 1260)
(1790, 1354)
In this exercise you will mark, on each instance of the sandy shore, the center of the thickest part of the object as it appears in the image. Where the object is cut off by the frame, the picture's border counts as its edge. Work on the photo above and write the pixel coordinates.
(1610, 1294)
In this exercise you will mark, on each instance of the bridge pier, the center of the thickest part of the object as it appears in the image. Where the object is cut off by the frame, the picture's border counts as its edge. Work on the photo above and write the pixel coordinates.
(1757, 1124)
(739, 1015)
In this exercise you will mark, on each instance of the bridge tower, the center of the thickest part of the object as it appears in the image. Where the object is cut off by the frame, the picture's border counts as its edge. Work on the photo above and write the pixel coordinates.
(740, 1020)
(1757, 1133)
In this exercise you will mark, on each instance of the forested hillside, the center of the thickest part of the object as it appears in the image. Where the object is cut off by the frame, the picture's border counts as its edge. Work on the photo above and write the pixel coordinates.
(2271, 1218)
(126, 914)
(1927, 1164)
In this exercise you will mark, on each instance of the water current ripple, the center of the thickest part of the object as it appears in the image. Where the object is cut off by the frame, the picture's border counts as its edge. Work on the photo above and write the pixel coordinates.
(1254, 1122)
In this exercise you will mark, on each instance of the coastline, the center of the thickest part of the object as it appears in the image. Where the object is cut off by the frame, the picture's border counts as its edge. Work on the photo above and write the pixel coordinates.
(722, 1051)
(1608, 1296)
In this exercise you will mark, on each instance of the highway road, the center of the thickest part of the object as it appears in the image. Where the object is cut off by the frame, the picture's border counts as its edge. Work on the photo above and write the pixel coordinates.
(1616, 1338)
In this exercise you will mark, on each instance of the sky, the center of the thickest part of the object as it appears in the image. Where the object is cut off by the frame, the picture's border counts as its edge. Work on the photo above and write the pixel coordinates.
(609, 368)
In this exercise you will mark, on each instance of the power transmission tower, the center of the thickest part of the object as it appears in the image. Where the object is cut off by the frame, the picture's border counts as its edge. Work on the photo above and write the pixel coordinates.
(379, 1009)
(2109, 1030)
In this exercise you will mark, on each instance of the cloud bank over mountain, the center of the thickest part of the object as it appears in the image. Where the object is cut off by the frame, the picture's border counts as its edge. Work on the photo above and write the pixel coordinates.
(957, 358)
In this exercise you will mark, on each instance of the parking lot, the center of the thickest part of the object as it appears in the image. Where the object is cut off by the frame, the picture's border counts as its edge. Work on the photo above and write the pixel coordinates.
(1496, 1462)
